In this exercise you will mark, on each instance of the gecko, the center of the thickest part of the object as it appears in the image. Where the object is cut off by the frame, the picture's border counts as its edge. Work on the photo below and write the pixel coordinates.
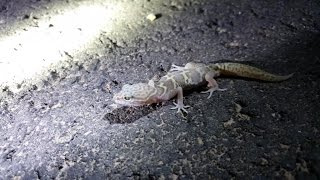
(190, 76)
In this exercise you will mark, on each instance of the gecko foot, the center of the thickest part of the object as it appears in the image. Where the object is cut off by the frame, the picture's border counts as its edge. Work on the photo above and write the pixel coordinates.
(176, 68)
(211, 90)
(180, 107)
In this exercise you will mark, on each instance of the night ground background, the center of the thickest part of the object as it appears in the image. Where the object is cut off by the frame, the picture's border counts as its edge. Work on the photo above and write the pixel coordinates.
(59, 122)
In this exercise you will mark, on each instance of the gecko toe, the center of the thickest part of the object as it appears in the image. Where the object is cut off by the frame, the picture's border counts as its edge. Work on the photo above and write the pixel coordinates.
(222, 89)
(211, 90)
(180, 107)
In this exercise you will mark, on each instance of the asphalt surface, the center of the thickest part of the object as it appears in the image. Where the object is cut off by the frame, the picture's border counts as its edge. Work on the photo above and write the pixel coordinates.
(61, 124)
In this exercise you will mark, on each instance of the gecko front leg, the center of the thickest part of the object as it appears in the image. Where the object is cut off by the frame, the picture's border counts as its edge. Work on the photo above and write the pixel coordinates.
(212, 84)
(179, 105)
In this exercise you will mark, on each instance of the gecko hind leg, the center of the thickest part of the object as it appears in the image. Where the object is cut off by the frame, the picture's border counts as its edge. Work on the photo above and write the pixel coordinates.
(212, 84)
(176, 68)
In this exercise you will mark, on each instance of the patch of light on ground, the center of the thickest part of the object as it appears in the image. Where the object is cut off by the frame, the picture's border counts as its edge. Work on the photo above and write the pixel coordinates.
(28, 52)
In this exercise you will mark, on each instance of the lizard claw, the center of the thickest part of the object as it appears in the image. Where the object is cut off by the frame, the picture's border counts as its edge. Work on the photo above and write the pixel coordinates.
(180, 107)
(211, 90)
(176, 68)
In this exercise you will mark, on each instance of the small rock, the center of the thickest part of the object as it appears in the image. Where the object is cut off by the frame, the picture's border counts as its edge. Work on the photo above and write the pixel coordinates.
(200, 141)
(152, 17)
(234, 44)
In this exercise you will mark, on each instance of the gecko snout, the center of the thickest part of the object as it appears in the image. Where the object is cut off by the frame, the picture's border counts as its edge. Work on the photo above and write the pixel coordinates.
(115, 97)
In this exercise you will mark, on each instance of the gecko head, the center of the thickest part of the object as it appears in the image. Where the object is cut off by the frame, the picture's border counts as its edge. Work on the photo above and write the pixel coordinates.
(135, 95)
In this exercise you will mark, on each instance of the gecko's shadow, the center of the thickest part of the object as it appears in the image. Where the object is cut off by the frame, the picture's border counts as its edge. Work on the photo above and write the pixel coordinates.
(124, 115)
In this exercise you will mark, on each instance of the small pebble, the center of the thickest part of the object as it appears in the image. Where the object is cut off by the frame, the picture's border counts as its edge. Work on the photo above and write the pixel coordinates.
(151, 17)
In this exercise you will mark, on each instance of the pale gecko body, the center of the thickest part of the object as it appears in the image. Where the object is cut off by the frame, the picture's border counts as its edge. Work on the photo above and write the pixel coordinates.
(190, 76)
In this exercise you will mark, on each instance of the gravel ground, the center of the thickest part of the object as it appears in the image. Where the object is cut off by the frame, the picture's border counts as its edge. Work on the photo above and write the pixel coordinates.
(58, 120)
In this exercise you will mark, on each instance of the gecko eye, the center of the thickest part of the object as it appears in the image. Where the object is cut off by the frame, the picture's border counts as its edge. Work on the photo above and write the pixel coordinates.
(127, 98)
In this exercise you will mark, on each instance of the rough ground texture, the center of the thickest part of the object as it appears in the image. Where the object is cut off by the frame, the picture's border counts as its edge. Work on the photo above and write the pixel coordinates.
(62, 125)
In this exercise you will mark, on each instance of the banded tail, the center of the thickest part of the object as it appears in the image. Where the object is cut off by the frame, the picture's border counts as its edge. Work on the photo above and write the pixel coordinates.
(242, 70)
